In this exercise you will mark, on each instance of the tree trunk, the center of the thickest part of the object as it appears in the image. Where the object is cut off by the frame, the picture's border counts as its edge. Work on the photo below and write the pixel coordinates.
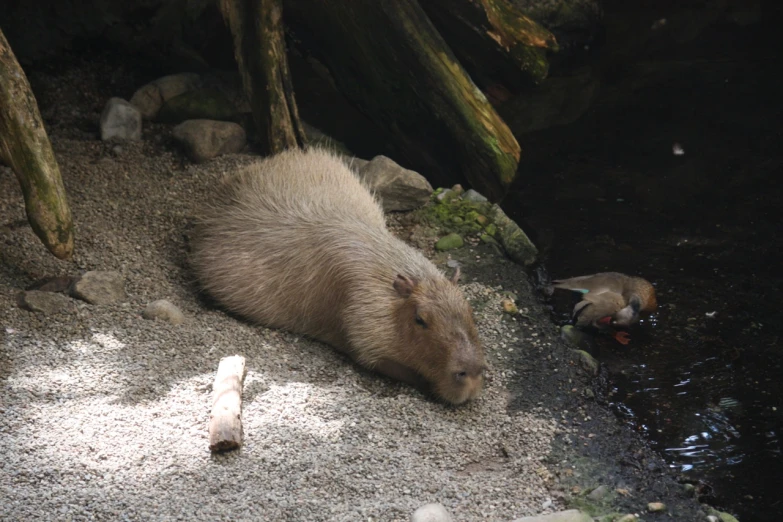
(259, 48)
(25, 147)
(388, 59)
(494, 41)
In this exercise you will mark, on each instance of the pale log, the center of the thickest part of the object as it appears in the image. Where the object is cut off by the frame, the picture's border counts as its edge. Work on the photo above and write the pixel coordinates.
(225, 423)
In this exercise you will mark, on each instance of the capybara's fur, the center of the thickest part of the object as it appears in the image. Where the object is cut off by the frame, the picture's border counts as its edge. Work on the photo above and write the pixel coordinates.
(297, 242)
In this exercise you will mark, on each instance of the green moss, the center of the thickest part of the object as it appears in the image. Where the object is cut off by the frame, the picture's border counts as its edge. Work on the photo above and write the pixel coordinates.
(491, 229)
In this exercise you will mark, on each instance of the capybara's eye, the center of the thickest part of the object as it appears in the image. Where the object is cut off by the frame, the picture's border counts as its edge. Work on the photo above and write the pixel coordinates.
(461, 375)
(420, 321)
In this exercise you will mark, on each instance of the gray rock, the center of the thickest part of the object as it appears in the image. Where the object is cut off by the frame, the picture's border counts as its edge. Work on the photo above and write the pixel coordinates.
(47, 303)
(473, 196)
(205, 139)
(587, 361)
(572, 515)
(356, 164)
(598, 493)
(99, 287)
(398, 188)
(164, 310)
(431, 513)
(514, 240)
(120, 119)
(149, 98)
(207, 104)
(176, 84)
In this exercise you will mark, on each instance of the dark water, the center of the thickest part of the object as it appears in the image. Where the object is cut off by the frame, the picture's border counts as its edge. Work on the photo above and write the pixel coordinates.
(702, 377)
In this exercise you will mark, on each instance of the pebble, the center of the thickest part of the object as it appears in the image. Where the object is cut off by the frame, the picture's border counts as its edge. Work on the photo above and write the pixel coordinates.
(120, 119)
(164, 310)
(431, 513)
(654, 507)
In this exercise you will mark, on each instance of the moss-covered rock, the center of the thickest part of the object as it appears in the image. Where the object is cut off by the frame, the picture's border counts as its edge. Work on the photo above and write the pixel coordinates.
(514, 240)
(449, 242)
(722, 515)
(206, 104)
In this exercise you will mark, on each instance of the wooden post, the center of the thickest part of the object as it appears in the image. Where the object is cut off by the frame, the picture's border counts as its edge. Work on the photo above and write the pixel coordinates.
(25, 147)
(389, 60)
(259, 48)
(493, 40)
(225, 423)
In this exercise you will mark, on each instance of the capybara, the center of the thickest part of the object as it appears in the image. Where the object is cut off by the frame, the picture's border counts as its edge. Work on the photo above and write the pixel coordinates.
(297, 242)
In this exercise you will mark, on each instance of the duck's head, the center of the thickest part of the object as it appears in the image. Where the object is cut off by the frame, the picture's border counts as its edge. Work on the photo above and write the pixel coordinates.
(628, 315)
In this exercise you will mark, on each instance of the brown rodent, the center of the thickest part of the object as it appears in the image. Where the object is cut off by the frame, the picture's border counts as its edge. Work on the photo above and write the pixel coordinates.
(297, 242)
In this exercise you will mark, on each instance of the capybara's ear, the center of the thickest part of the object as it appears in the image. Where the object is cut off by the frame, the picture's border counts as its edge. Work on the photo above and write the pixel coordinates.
(404, 285)
(455, 275)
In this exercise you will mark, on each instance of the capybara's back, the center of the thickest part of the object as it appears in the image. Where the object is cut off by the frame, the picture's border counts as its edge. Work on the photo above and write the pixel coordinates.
(297, 242)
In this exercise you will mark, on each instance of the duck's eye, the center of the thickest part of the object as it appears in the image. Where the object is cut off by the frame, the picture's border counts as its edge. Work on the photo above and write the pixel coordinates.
(420, 321)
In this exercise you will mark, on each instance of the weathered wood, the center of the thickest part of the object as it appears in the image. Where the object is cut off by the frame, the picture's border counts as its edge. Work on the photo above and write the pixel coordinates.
(259, 48)
(25, 147)
(493, 40)
(389, 61)
(225, 423)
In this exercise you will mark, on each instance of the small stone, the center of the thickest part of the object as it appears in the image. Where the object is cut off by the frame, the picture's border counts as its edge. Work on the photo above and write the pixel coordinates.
(473, 196)
(627, 518)
(482, 220)
(509, 307)
(598, 493)
(398, 188)
(47, 303)
(491, 229)
(712, 518)
(99, 287)
(690, 489)
(445, 195)
(431, 513)
(458, 189)
(205, 139)
(164, 310)
(655, 507)
(589, 393)
(449, 242)
(120, 119)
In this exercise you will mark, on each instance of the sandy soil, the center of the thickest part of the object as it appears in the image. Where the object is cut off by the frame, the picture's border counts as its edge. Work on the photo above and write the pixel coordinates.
(103, 414)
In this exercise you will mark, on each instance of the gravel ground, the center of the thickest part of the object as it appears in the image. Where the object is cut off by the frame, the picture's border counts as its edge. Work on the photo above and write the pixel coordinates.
(103, 414)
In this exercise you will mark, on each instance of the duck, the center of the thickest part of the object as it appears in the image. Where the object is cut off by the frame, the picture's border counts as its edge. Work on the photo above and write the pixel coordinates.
(610, 300)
